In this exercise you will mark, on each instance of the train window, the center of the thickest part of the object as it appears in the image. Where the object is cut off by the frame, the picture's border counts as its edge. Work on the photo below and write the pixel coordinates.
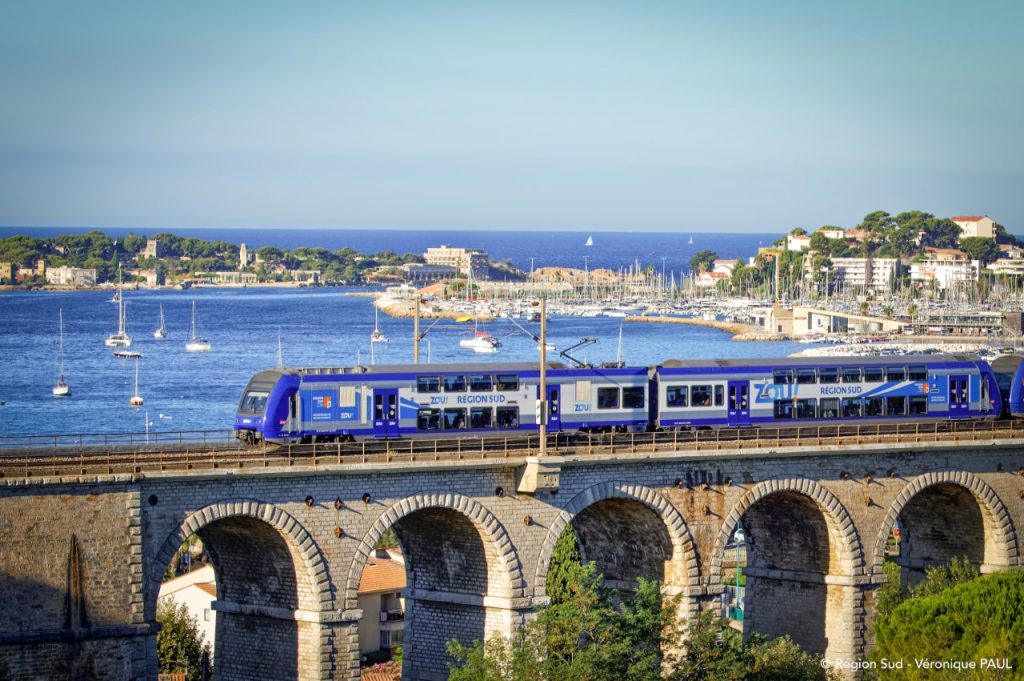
(783, 409)
(453, 419)
(293, 406)
(553, 402)
(829, 408)
(347, 396)
(806, 409)
(700, 396)
(454, 384)
(507, 382)
(378, 407)
(784, 376)
(633, 398)
(480, 417)
(254, 400)
(719, 395)
(507, 417)
(873, 374)
(895, 373)
(428, 384)
(828, 375)
(607, 398)
(481, 383)
(806, 376)
(851, 374)
(851, 407)
(583, 391)
(918, 405)
(428, 419)
(675, 396)
(896, 405)
(918, 373)
(872, 406)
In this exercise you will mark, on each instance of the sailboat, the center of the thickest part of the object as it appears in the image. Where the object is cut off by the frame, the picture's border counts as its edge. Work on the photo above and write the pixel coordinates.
(136, 400)
(120, 339)
(691, 240)
(590, 241)
(62, 389)
(162, 331)
(377, 336)
(196, 343)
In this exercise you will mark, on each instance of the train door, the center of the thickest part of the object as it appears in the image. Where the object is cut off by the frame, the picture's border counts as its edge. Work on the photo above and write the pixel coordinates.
(385, 412)
(739, 403)
(959, 397)
(554, 408)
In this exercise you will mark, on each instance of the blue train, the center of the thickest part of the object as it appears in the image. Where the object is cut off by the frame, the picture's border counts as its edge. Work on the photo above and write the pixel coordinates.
(458, 400)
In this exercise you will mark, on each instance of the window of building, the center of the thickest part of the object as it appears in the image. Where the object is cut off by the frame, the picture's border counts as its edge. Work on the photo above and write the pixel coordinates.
(676, 396)
(633, 398)
(607, 398)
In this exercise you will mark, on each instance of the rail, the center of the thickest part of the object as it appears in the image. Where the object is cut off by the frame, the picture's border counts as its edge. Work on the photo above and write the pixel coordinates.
(203, 453)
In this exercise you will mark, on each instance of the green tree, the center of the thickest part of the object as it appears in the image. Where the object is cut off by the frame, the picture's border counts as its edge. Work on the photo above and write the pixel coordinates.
(982, 618)
(564, 559)
(179, 641)
(980, 248)
(702, 260)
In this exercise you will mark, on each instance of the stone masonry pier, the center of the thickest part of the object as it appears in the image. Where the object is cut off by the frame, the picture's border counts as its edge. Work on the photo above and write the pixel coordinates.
(82, 557)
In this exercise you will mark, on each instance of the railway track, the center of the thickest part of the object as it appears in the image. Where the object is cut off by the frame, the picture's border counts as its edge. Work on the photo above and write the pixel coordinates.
(131, 454)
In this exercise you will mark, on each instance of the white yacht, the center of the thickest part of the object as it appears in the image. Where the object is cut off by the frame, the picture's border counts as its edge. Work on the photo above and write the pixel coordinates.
(196, 342)
(161, 332)
(62, 389)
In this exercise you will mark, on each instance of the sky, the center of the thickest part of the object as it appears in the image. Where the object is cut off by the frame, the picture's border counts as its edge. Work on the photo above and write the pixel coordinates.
(591, 116)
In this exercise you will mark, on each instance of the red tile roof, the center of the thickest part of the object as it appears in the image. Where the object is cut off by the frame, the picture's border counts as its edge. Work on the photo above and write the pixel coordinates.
(382, 575)
(968, 218)
(209, 587)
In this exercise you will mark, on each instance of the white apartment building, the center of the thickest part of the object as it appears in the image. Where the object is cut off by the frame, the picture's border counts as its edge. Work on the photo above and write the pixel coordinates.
(874, 275)
(947, 267)
(465, 260)
(196, 590)
(975, 225)
(70, 276)
(798, 242)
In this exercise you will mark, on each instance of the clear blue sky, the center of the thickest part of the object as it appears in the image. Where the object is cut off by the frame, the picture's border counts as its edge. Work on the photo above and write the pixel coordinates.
(738, 116)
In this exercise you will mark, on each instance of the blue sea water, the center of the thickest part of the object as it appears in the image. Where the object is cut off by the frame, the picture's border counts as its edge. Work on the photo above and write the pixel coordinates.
(318, 327)
(612, 250)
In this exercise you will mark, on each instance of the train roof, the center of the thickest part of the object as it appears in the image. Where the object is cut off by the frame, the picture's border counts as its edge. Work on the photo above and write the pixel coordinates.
(468, 367)
(859, 360)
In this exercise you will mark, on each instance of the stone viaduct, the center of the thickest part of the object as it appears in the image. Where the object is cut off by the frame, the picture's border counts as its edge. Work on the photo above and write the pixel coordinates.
(82, 558)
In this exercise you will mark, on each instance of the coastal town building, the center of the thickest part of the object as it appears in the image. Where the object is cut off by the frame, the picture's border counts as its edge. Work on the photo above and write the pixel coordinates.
(380, 599)
(7, 272)
(870, 275)
(798, 242)
(76, 277)
(151, 278)
(975, 225)
(468, 261)
(947, 267)
(231, 278)
(419, 272)
(196, 590)
(1013, 267)
(833, 232)
(711, 279)
(152, 249)
(243, 256)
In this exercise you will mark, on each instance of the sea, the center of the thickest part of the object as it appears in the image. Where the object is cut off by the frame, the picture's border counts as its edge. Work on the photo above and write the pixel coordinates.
(251, 329)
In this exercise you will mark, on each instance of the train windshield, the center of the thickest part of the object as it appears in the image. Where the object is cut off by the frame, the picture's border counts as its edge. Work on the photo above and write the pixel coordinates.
(254, 401)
